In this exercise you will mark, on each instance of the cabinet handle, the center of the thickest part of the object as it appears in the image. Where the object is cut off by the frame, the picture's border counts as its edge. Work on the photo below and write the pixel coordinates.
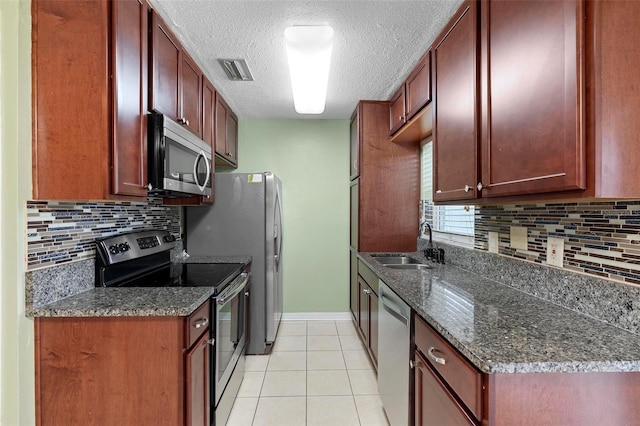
(467, 188)
(355, 164)
(366, 291)
(438, 359)
(229, 154)
(211, 342)
(246, 294)
(415, 364)
(183, 121)
(479, 186)
(201, 323)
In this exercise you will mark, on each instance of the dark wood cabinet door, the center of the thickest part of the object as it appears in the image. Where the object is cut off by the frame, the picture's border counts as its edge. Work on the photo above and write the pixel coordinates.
(226, 130)
(221, 114)
(232, 137)
(190, 95)
(397, 113)
(456, 107)
(355, 193)
(363, 308)
(130, 85)
(373, 326)
(165, 69)
(208, 113)
(434, 405)
(418, 86)
(353, 284)
(354, 141)
(532, 73)
(197, 386)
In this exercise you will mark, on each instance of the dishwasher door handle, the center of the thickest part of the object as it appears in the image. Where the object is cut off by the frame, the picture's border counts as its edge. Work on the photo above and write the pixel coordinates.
(389, 306)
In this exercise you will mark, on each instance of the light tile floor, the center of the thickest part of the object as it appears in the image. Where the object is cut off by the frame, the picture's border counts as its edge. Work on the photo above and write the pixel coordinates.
(318, 373)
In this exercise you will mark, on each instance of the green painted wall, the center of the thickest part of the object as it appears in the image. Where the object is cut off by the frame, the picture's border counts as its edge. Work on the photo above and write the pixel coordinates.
(311, 157)
(17, 394)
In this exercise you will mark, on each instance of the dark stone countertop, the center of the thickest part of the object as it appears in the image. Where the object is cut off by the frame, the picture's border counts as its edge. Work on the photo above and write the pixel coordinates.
(147, 301)
(503, 330)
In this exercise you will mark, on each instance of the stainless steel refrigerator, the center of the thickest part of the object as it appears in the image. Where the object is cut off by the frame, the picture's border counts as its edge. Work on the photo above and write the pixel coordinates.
(246, 219)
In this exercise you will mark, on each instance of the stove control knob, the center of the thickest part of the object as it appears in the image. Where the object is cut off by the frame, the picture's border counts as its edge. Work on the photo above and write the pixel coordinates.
(114, 249)
(123, 247)
(169, 238)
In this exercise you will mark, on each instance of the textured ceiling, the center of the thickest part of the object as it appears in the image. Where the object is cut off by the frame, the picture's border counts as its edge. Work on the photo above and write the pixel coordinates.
(376, 44)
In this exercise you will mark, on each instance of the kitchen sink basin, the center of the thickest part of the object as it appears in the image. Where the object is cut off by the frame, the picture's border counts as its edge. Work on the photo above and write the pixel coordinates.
(409, 266)
(396, 260)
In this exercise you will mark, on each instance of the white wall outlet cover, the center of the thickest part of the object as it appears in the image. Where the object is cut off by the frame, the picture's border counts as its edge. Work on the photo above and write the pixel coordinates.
(555, 252)
(493, 242)
(518, 236)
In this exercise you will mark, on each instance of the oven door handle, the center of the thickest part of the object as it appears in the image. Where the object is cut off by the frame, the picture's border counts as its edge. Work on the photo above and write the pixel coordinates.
(233, 292)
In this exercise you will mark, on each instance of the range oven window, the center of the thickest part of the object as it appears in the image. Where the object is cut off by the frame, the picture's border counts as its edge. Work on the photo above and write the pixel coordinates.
(230, 330)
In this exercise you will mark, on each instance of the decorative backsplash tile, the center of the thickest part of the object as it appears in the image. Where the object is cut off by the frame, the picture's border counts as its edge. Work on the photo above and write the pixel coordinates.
(600, 238)
(60, 232)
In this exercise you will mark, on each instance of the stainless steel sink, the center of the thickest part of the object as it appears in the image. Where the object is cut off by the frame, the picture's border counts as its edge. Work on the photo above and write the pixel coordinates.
(396, 260)
(409, 266)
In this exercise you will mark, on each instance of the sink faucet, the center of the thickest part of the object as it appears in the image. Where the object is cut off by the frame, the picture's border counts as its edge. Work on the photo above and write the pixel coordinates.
(421, 231)
(432, 253)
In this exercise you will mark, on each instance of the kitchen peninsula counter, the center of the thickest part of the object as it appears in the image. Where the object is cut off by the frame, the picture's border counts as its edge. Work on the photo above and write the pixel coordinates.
(500, 329)
(136, 301)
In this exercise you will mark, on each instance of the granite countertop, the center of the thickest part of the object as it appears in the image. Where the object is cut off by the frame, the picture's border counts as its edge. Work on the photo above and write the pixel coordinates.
(148, 301)
(503, 330)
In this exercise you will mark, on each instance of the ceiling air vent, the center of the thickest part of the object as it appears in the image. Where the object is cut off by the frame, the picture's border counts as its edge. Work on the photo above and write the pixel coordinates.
(236, 69)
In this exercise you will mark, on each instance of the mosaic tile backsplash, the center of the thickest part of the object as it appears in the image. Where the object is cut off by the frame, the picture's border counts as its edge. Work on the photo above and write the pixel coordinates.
(60, 232)
(600, 238)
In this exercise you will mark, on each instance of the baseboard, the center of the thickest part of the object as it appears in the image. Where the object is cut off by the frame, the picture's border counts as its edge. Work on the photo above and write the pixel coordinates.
(316, 316)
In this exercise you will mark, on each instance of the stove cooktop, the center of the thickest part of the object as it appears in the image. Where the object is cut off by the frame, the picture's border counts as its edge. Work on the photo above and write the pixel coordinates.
(216, 275)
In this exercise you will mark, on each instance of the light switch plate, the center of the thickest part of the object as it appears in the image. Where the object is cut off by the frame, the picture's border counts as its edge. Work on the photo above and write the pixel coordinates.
(555, 252)
(493, 242)
(518, 236)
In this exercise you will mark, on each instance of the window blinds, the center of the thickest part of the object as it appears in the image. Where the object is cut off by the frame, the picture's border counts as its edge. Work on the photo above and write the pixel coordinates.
(450, 219)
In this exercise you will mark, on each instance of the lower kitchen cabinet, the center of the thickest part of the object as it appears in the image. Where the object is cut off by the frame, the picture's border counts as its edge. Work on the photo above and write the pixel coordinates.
(367, 313)
(450, 391)
(123, 370)
(434, 405)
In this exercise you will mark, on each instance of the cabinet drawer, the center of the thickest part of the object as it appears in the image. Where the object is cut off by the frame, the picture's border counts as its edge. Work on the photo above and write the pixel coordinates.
(369, 276)
(434, 404)
(197, 323)
(456, 371)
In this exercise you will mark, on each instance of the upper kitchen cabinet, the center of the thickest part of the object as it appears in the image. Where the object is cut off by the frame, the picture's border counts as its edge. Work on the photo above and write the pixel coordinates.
(559, 106)
(532, 84)
(89, 73)
(354, 153)
(455, 79)
(208, 135)
(409, 121)
(386, 193)
(176, 81)
(397, 113)
(226, 131)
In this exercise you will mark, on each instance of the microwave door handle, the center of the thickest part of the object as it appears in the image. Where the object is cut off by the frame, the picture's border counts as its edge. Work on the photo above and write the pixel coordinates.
(195, 171)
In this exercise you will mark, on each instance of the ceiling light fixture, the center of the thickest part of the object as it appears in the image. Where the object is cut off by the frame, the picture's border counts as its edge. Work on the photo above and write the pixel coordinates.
(236, 69)
(309, 53)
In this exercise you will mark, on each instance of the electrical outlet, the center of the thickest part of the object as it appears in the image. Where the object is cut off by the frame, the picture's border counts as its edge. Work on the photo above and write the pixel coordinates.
(518, 237)
(555, 252)
(493, 242)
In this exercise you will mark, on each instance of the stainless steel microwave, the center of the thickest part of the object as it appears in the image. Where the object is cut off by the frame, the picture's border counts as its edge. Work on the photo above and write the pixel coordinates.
(179, 162)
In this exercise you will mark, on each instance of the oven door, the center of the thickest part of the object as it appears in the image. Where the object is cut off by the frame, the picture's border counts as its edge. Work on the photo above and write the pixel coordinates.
(231, 310)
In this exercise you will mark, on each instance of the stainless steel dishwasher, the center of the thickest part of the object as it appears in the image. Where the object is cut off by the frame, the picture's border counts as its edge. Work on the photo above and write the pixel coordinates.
(393, 355)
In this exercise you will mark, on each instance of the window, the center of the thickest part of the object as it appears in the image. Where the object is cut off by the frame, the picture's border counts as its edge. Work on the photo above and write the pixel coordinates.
(453, 224)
